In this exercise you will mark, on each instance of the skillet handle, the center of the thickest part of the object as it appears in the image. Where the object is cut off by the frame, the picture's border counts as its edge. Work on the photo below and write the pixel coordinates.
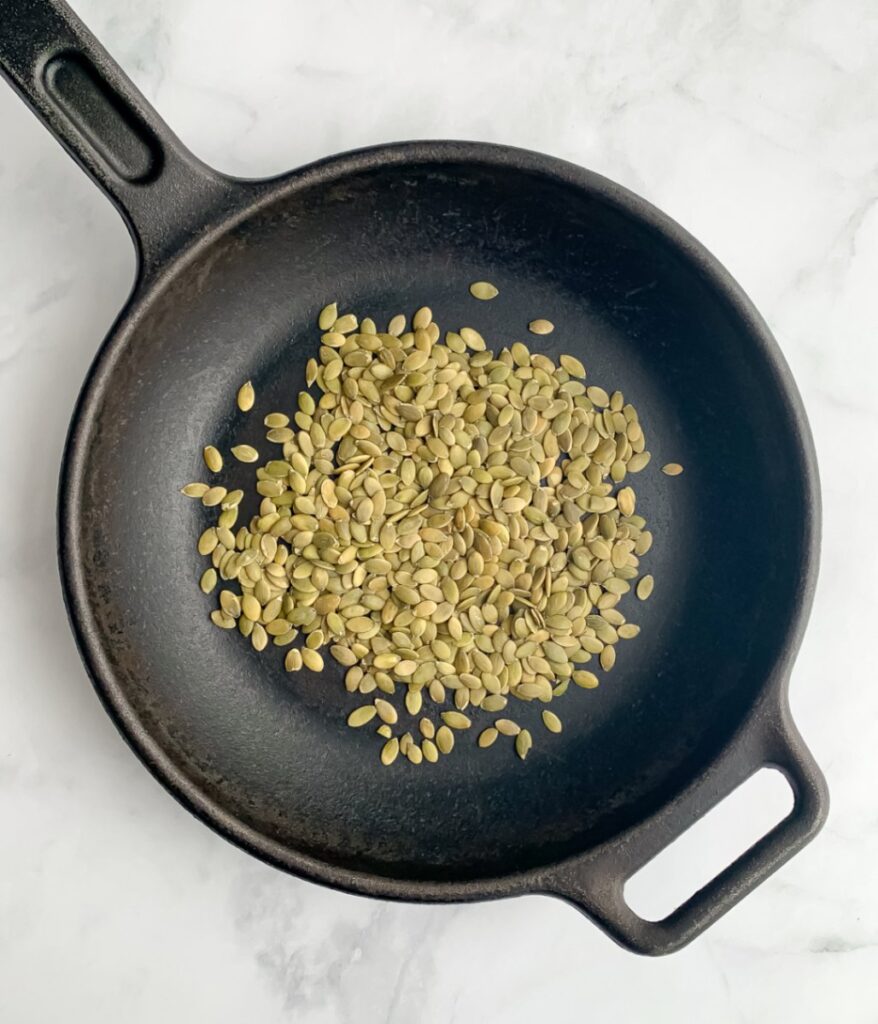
(94, 110)
(595, 883)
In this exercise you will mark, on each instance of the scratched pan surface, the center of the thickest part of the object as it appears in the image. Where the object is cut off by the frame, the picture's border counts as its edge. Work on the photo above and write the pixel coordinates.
(232, 277)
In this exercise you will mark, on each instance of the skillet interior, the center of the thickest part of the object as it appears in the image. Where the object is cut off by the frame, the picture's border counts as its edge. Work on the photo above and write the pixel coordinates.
(272, 750)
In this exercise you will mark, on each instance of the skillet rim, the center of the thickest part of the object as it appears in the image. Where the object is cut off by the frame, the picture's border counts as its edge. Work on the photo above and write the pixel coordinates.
(254, 196)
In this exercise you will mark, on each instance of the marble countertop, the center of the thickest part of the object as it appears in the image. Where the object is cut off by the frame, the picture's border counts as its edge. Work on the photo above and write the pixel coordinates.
(753, 124)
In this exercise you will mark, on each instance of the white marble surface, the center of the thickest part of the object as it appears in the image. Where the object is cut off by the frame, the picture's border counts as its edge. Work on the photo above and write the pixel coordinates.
(752, 123)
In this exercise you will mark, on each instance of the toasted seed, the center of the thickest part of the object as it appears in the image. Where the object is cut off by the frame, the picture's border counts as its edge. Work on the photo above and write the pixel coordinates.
(587, 680)
(523, 743)
(343, 655)
(483, 290)
(312, 659)
(389, 751)
(572, 365)
(455, 720)
(386, 711)
(212, 459)
(213, 496)
(345, 324)
(195, 490)
(246, 397)
(551, 721)
(207, 541)
(625, 499)
(328, 316)
(541, 327)
(672, 469)
(644, 587)
(360, 716)
(245, 453)
(489, 735)
(444, 739)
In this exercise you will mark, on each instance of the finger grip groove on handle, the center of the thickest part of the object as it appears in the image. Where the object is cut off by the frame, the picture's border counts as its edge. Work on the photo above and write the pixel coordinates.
(98, 114)
(94, 110)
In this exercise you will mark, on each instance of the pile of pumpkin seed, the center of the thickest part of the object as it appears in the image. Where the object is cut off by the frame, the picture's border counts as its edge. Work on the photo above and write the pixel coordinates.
(454, 526)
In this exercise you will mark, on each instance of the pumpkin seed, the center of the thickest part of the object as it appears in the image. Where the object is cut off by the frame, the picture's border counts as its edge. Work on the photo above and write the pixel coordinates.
(523, 743)
(245, 453)
(328, 316)
(488, 736)
(246, 397)
(551, 721)
(444, 739)
(390, 751)
(212, 459)
(361, 716)
(483, 290)
(195, 490)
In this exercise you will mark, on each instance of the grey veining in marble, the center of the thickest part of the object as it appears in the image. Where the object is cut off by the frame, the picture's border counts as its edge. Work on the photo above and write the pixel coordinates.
(755, 124)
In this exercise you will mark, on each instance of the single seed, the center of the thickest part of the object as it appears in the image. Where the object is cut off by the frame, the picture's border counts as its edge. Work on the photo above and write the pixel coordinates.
(360, 716)
(293, 659)
(213, 496)
(455, 720)
(551, 721)
(328, 316)
(523, 743)
(644, 587)
(389, 751)
(444, 739)
(489, 735)
(212, 459)
(195, 490)
(672, 469)
(312, 659)
(386, 711)
(483, 290)
(572, 365)
(246, 397)
(208, 580)
(541, 327)
(245, 453)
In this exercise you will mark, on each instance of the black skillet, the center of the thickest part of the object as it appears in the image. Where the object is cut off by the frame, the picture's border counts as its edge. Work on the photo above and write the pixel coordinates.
(231, 275)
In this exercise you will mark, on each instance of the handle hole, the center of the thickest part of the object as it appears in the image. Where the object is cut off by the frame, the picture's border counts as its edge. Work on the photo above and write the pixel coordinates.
(710, 845)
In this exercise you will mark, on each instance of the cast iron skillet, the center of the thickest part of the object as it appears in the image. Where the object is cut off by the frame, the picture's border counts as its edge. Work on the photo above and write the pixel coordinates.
(231, 275)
